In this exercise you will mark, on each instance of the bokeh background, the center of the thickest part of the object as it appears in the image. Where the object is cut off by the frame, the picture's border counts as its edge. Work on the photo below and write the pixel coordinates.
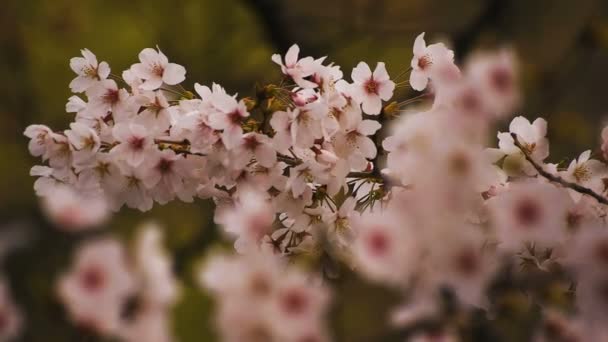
(562, 45)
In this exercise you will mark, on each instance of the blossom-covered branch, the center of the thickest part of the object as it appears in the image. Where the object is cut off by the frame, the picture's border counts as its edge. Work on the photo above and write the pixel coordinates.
(574, 186)
(295, 173)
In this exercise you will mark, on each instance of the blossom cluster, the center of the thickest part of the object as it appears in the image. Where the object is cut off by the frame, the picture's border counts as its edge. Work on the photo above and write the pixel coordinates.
(407, 193)
(114, 294)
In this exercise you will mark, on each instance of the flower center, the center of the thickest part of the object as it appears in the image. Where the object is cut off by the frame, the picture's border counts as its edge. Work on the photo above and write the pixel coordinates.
(91, 72)
(235, 117)
(371, 87)
(581, 173)
(93, 279)
(378, 243)
(133, 182)
(294, 302)
(158, 70)
(164, 166)
(529, 148)
(136, 143)
(424, 62)
(501, 79)
(111, 96)
(528, 212)
(251, 143)
(467, 262)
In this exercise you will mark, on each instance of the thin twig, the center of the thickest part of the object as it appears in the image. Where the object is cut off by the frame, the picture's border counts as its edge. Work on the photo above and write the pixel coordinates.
(557, 179)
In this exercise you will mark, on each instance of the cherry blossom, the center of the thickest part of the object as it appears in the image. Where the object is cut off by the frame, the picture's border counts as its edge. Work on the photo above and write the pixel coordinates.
(587, 172)
(303, 172)
(88, 70)
(426, 60)
(370, 89)
(134, 142)
(97, 285)
(531, 136)
(154, 68)
(228, 118)
(298, 70)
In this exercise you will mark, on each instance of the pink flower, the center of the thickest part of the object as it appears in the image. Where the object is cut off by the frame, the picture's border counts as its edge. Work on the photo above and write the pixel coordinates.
(40, 137)
(370, 89)
(298, 70)
(97, 286)
(529, 212)
(134, 143)
(228, 117)
(73, 211)
(385, 248)
(495, 75)
(256, 146)
(356, 146)
(531, 136)
(88, 70)
(426, 60)
(154, 68)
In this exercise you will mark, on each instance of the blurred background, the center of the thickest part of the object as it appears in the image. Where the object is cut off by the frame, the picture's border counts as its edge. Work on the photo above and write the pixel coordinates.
(562, 45)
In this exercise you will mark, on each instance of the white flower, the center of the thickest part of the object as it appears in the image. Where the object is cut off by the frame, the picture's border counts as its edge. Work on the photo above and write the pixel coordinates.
(229, 116)
(105, 96)
(154, 68)
(134, 143)
(88, 70)
(370, 89)
(158, 114)
(40, 137)
(356, 146)
(58, 152)
(75, 105)
(531, 136)
(425, 61)
(341, 233)
(97, 286)
(164, 173)
(194, 126)
(84, 140)
(298, 70)
(586, 172)
(256, 146)
(298, 127)
(133, 192)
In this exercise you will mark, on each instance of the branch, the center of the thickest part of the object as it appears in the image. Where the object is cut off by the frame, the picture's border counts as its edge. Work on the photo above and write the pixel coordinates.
(557, 179)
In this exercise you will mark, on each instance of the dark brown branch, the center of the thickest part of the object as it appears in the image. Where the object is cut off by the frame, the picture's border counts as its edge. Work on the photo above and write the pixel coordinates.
(557, 179)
